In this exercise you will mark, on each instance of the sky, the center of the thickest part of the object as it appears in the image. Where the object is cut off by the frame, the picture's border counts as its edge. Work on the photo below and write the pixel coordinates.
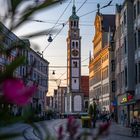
(56, 52)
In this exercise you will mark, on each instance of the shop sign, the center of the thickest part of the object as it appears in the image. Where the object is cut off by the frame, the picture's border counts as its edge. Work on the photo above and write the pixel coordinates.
(130, 97)
(124, 100)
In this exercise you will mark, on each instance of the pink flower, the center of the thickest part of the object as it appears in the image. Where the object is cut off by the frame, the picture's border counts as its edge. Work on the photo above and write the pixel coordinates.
(14, 91)
(72, 126)
(103, 128)
(60, 133)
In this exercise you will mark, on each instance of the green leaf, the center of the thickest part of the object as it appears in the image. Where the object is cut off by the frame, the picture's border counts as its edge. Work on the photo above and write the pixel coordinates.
(29, 12)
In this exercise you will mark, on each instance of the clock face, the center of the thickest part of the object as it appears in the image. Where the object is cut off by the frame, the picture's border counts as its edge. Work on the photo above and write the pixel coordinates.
(75, 52)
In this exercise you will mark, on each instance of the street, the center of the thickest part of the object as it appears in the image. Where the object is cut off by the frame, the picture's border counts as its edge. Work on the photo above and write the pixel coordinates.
(117, 132)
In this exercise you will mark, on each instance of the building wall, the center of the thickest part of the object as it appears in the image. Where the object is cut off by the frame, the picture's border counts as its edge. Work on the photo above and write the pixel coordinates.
(85, 90)
(125, 53)
(61, 92)
(38, 75)
(99, 66)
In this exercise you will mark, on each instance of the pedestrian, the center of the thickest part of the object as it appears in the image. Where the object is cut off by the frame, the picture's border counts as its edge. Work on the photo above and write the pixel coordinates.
(93, 113)
(122, 118)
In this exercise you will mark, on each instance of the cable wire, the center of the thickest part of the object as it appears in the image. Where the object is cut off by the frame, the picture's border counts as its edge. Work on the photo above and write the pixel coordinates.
(61, 15)
(108, 4)
(54, 26)
(81, 5)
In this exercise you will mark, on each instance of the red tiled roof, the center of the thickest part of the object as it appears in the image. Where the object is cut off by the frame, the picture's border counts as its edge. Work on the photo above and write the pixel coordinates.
(85, 85)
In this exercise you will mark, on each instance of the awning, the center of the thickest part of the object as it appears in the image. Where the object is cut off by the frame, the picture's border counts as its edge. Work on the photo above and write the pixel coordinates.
(128, 103)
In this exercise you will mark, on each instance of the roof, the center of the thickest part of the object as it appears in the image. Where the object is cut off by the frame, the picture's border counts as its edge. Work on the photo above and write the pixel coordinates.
(108, 21)
(74, 16)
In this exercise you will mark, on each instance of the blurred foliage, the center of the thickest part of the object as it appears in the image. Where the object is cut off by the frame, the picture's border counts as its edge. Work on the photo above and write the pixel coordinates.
(19, 12)
(29, 115)
(24, 12)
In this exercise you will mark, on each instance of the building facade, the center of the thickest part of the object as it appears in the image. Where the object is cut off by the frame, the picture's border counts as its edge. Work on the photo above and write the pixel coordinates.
(9, 40)
(124, 56)
(74, 96)
(136, 30)
(101, 83)
(61, 93)
(85, 90)
(39, 75)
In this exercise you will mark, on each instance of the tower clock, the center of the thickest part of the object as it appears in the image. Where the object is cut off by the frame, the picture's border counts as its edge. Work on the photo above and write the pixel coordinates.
(75, 97)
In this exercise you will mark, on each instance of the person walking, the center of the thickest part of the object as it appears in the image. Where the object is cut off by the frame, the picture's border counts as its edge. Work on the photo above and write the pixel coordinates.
(93, 113)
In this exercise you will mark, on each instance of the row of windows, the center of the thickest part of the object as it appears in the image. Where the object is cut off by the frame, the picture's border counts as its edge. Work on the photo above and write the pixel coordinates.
(97, 77)
(75, 44)
(136, 9)
(97, 92)
(120, 80)
(105, 89)
(74, 23)
(43, 81)
(104, 58)
(8, 58)
(137, 39)
(105, 103)
(105, 73)
(137, 73)
(39, 65)
(97, 66)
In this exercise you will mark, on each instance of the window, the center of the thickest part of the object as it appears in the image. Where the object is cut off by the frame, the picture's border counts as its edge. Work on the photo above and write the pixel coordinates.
(105, 89)
(73, 44)
(74, 23)
(138, 38)
(138, 7)
(113, 86)
(76, 44)
(112, 65)
(136, 74)
(139, 72)
(124, 16)
(125, 49)
(135, 40)
(105, 73)
(125, 72)
(31, 59)
(134, 12)
(75, 64)
(77, 23)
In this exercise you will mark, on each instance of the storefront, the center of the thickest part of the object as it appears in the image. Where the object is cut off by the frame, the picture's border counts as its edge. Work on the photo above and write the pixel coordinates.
(126, 103)
(137, 109)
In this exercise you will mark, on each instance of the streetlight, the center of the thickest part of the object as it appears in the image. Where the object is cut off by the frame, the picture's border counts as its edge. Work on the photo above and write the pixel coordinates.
(50, 38)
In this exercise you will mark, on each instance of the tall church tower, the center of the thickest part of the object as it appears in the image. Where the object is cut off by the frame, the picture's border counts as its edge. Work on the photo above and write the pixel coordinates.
(75, 97)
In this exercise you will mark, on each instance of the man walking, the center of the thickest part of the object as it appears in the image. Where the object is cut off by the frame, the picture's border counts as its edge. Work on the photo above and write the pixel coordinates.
(93, 113)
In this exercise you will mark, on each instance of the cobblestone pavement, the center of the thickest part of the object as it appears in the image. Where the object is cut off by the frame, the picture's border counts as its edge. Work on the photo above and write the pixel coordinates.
(117, 132)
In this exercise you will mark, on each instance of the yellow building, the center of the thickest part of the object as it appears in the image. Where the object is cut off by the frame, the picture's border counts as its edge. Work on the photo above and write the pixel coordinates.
(101, 65)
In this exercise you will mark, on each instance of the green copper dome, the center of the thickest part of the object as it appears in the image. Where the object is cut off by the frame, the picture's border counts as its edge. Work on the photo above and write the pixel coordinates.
(74, 16)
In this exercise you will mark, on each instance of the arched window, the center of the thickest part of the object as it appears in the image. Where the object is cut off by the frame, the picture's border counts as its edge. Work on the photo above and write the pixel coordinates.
(77, 23)
(73, 44)
(71, 23)
(74, 23)
(76, 44)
